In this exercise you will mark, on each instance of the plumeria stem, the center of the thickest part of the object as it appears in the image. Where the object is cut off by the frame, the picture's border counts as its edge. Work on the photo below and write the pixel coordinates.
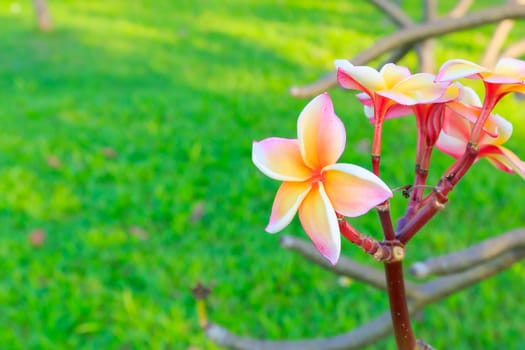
(387, 251)
(437, 200)
(462, 165)
(383, 210)
(381, 106)
(416, 196)
(403, 332)
(432, 205)
(491, 99)
(376, 159)
(458, 170)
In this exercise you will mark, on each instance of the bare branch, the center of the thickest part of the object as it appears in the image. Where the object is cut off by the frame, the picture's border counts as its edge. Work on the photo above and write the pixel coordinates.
(396, 14)
(425, 49)
(413, 35)
(500, 34)
(355, 339)
(381, 326)
(461, 8)
(515, 50)
(442, 287)
(466, 258)
(345, 266)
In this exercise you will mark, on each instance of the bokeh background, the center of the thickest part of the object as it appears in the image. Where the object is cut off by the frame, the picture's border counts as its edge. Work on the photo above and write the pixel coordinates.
(126, 177)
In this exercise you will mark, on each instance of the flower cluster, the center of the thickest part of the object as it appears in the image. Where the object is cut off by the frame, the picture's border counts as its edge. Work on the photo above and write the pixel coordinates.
(449, 116)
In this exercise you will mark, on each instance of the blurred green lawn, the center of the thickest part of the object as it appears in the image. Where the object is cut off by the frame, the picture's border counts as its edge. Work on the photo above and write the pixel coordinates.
(125, 134)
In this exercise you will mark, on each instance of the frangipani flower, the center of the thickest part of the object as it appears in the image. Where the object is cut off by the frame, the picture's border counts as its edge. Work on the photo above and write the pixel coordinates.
(392, 84)
(468, 105)
(388, 89)
(508, 76)
(313, 184)
(456, 133)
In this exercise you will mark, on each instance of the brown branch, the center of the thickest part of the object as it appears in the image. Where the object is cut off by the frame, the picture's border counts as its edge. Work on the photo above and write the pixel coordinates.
(381, 326)
(515, 49)
(344, 267)
(361, 336)
(500, 34)
(466, 258)
(461, 8)
(394, 12)
(412, 35)
(425, 49)
(442, 287)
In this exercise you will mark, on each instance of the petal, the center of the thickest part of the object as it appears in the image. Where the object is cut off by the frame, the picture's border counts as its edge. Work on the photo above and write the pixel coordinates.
(471, 113)
(503, 128)
(398, 97)
(503, 159)
(346, 81)
(455, 69)
(506, 88)
(353, 190)
(287, 200)
(280, 159)
(321, 133)
(451, 92)
(393, 74)
(362, 78)
(320, 223)
(502, 79)
(394, 111)
(450, 145)
(417, 88)
(469, 96)
(458, 125)
(397, 111)
(510, 67)
(365, 99)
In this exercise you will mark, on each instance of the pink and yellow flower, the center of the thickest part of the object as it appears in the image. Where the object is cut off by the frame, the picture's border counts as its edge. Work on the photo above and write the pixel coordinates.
(391, 85)
(314, 185)
(456, 133)
(508, 76)
(389, 91)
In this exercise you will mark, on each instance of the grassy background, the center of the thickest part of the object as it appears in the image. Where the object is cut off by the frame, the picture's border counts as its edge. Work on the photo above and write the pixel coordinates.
(125, 136)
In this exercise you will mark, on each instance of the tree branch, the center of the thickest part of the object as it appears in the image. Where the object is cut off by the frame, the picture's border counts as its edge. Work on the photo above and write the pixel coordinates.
(442, 287)
(515, 49)
(344, 267)
(412, 35)
(425, 49)
(500, 34)
(381, 326)
(466, 258)
(394, 12)
(461, 8)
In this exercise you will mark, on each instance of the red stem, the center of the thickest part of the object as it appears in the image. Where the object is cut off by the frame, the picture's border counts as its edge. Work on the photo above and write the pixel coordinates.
(404, 334)
(439, 197)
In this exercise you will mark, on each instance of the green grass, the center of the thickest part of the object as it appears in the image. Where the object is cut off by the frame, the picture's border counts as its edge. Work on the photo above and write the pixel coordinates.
(178, 91)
